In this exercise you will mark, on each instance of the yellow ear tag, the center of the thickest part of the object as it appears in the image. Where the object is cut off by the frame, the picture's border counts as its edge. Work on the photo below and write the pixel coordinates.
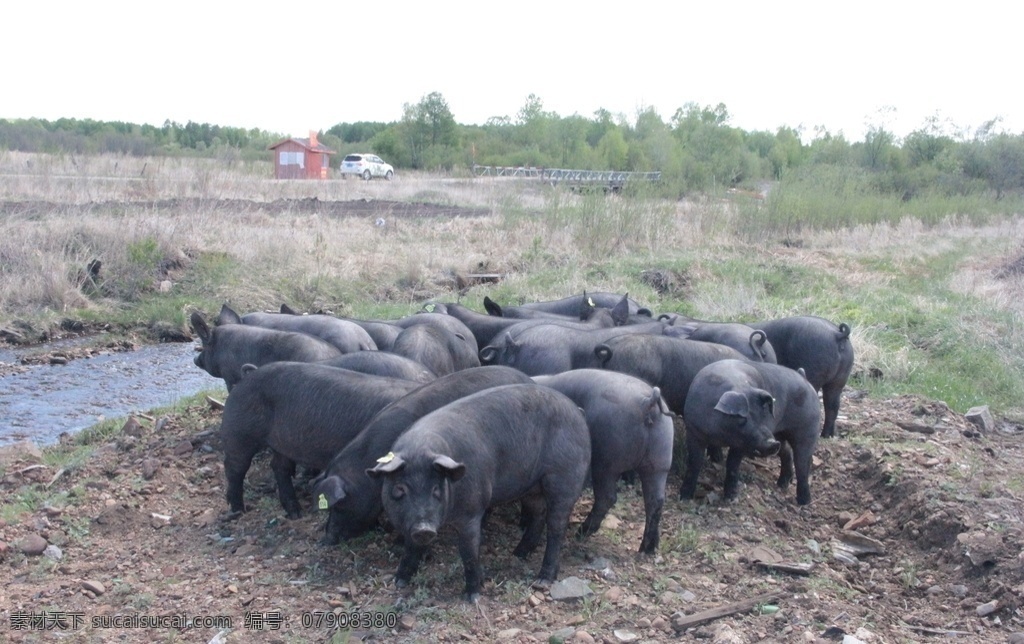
(429, 308)
(387, 458)
(590, 301)
(322, 502)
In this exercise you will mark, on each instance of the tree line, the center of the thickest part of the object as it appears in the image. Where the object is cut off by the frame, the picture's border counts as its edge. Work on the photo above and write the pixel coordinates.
(696, 149)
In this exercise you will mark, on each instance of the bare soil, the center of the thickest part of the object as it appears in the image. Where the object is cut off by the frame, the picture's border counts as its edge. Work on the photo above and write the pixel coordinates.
(145, 517)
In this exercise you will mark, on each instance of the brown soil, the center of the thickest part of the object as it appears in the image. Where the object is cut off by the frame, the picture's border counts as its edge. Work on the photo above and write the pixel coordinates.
(942, 499)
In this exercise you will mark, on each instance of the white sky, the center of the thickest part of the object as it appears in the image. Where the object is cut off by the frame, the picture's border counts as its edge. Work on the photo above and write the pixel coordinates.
(290, 67)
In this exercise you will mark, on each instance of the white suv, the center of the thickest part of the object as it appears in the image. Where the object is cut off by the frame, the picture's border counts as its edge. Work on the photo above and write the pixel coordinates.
(366, 166)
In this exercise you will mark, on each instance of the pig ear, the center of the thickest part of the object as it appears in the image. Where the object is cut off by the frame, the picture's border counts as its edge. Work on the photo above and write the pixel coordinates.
(287, 310)
(492, 307)
(329, 491)
(803, 374)
(248, 368)
(621, 311)
(199, 324)
(227, 315)
(586, 307)
(766, 398)
(386, 466)
(733, 403)
(447, 467)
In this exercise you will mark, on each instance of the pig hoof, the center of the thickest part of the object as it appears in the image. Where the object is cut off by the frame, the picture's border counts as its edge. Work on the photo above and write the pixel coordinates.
(542, 584)
(523, 552)
(232, 515)
(293, 514)
(328, 540)
(401, 583)
(472, 598)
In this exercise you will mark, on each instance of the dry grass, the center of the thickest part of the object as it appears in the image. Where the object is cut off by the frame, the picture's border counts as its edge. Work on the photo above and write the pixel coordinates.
(547, 243)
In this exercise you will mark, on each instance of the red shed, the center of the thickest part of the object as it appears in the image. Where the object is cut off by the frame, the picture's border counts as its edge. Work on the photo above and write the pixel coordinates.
(301, 158)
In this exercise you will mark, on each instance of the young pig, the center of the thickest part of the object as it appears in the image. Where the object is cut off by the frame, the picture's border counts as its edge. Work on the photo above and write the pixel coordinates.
(352, 497)
(516, 442)
(305, 413)
(628, 431)
(752, 408)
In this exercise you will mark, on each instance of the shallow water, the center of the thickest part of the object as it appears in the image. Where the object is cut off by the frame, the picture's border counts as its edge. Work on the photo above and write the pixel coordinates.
(44, 401)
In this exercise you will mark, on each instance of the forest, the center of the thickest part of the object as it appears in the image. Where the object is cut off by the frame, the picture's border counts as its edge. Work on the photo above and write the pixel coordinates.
(696, 149)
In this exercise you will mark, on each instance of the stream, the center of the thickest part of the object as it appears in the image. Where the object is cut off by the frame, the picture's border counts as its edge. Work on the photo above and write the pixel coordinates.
(40, 402)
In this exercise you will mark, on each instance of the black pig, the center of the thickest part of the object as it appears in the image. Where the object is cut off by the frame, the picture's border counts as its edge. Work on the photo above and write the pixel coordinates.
(752, 408)
(525, 442)
(227, 348)
(305, 413)
(822, 349)
(628, 431)
(354, 498)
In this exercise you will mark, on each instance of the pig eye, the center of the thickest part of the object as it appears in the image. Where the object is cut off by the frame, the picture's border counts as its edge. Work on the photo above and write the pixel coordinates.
(437, 492)
(398, 492)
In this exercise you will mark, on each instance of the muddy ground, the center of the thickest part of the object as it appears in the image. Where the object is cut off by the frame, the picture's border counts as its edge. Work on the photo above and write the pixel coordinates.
(141, 532)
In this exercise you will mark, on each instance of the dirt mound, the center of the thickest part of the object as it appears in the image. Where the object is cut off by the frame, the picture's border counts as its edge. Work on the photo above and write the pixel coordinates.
(928, 507)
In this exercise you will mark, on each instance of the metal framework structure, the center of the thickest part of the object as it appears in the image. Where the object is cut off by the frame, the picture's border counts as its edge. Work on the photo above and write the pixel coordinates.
(576, 179)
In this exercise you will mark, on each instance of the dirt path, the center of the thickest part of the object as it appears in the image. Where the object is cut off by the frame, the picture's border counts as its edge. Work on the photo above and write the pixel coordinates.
(140, 530)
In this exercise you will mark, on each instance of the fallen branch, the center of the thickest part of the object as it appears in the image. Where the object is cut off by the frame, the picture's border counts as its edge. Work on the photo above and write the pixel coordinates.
(214, 403)
(917, 428)
(792, 567)
(936, 631)
(681, 622)
(25, 470)
(56, 476)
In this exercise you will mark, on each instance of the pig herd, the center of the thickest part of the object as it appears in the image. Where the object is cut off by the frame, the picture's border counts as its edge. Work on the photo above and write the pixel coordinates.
(435, 418)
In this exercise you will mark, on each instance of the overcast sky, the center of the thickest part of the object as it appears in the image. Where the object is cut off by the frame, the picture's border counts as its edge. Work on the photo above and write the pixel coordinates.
(291, 67)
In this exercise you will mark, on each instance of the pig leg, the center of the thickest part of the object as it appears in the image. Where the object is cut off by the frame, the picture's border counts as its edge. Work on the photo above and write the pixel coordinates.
(605, 495)
(237, 459)
(694, 462)
(653, 482)
(785, 465)
(284, 470)
(532, 516)
(830, 395)
(732, 473)
(803, 455)
(469, 551)
(409, 563)
(559, 510)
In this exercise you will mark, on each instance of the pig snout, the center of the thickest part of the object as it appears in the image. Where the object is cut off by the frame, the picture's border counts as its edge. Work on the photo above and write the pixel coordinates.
(422, 534)
(768, 448)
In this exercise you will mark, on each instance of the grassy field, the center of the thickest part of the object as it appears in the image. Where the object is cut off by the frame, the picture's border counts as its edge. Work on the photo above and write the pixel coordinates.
(935, 306)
